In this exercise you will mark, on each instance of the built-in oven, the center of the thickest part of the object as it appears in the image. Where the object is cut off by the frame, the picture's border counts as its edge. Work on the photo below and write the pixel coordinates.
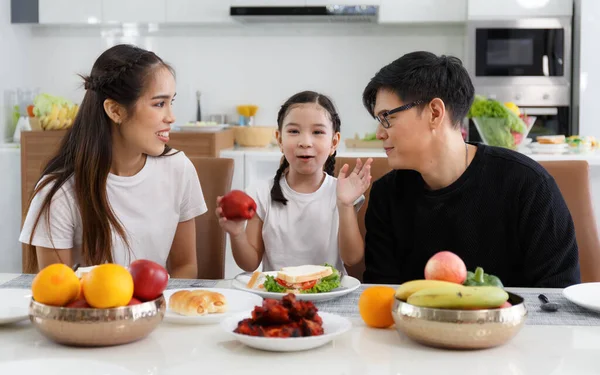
(527, 62)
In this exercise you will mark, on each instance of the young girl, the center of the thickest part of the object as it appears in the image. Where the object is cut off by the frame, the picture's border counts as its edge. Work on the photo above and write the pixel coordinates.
(115, 191)
(304, 215)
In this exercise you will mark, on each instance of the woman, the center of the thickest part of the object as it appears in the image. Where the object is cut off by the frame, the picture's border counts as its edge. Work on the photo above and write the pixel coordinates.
(115, 191)
(495, 208)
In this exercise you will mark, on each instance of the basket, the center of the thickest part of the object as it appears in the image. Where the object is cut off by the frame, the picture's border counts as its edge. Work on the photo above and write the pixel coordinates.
(254, 136)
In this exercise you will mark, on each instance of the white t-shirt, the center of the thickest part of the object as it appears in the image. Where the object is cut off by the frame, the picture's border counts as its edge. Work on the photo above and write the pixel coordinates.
(305, 231)
(149, 206)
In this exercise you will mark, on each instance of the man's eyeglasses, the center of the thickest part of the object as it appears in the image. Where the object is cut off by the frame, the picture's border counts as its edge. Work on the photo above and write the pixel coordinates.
(383, 117)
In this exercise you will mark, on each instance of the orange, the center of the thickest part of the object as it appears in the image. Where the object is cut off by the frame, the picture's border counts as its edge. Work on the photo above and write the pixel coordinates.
(375, 306)
(108, 285)
(55, 285)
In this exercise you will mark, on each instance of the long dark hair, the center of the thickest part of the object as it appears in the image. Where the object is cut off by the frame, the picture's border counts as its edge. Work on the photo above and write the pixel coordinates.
(300, 98)
(121, 73)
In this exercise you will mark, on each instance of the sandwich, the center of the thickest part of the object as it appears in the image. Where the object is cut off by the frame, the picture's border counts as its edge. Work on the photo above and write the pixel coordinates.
(551, 139)
(299, 279)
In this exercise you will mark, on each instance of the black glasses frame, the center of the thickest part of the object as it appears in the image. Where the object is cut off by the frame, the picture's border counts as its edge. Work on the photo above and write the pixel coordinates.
(383, 117)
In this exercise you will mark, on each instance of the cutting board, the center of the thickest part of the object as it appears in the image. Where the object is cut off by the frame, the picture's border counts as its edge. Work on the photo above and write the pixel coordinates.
(358, 143)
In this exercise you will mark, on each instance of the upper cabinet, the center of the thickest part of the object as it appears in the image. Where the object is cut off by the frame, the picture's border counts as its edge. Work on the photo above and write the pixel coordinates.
(134, 11)
(198, 11)
(507, 9)
(342, 2)
(70, 11)
(258, 3)
(426, 11)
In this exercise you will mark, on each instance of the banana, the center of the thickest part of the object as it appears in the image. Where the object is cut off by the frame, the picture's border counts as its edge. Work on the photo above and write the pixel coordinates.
(408, 288)
(62, 113)
(53, 125)
(459, 297)
(53, 113)
(44, 122)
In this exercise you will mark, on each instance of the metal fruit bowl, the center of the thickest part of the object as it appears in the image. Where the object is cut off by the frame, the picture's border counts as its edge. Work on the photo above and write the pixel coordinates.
(97, 327)
(460, 329)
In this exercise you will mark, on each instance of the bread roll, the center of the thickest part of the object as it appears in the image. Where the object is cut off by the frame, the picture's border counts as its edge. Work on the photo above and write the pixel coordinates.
(197, 302)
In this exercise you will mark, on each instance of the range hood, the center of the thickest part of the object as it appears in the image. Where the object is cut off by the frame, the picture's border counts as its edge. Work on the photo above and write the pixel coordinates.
(329, 13)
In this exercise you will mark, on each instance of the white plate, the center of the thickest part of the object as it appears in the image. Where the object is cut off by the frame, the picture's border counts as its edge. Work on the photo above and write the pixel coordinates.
(237, 301)
(57, 366)
(347, 285)
(549, 146)
(585, 295)
(333, 325)
(15, 305)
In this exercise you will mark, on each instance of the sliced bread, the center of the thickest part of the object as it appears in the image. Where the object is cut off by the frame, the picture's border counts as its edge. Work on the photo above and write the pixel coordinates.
(300, 274)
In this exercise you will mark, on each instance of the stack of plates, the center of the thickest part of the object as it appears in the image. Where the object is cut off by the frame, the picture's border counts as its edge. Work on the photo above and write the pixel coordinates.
(541, 148)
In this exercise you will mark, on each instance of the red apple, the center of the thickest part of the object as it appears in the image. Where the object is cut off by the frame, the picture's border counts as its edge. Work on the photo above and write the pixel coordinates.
(134, 301)
(237, 205)
(150, 279)
(80, 303)
(505, 304)
(446, 266)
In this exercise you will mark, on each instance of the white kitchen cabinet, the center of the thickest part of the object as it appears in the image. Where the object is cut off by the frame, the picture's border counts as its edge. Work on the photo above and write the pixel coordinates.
(426, 11)
(283, 3)
(198, 11)
(502, 9)
(134, 11)
(342, 2)
(70, 11)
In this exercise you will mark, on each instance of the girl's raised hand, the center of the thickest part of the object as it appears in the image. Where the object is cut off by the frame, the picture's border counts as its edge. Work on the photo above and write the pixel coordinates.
(351, 186)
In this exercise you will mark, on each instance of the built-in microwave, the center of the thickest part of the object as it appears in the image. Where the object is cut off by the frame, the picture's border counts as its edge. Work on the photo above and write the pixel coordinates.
(522, 51)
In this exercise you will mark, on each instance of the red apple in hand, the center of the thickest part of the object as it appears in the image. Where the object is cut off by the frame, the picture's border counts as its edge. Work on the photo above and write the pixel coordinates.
(150, 279)
(446, 266)
(237, 205)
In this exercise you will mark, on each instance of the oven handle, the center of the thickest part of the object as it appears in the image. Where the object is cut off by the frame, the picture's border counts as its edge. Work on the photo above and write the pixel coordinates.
(539, 111)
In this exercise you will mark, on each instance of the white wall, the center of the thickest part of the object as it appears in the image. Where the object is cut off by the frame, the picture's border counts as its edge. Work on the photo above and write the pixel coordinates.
(589, 73)
(256, 64)
(14, 63)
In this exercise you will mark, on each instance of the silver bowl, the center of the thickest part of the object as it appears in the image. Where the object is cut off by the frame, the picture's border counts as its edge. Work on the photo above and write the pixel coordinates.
(97, 327)
(460, 329)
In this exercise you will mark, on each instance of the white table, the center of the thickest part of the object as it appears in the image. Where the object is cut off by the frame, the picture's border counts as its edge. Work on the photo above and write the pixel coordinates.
(175, 349)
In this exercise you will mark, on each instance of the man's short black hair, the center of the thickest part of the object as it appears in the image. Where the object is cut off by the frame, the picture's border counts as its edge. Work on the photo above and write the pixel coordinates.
(424, 76)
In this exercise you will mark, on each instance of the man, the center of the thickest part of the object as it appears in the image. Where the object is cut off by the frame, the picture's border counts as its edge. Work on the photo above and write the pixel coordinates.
(493, 207)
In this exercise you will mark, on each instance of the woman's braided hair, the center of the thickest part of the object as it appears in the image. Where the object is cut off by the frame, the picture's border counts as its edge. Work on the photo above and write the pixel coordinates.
(300, 98)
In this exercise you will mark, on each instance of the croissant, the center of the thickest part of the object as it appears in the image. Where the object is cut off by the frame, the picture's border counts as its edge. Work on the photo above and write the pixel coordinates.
(197, 302)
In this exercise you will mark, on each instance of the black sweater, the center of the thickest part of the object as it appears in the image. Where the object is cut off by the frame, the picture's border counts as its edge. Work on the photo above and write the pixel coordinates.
(505, 214)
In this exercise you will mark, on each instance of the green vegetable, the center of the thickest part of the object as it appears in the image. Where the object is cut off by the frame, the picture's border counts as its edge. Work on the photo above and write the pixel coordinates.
(495, 121)
(42, 104)
(271, 285)
(370, 137)
(479, 278)
(326, 284)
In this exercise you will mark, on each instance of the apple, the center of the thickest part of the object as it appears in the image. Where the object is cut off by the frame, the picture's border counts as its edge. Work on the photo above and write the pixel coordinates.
(150, 279)
(446, 266)
(237, 205)
(134, 301)
(505, 304)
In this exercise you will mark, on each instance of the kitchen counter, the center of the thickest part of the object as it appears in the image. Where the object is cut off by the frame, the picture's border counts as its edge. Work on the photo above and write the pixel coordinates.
(593, 158)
